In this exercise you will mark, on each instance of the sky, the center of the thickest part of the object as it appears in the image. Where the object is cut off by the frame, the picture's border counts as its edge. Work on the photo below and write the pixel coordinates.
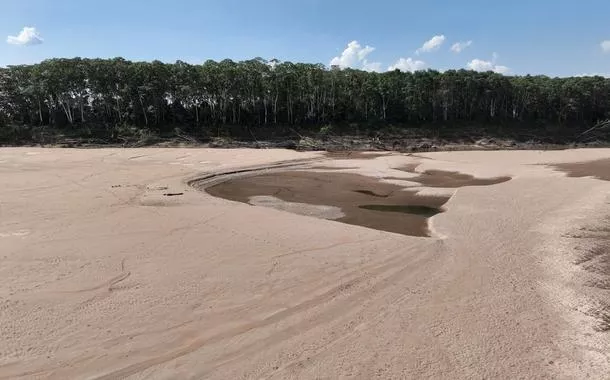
(516, 37)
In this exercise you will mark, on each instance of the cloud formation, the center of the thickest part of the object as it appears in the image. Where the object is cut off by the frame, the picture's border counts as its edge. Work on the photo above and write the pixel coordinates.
(371, 66)
(432, 44)
(354, 56)
(407, 64)
(481, 65)
(458, 47)
(605, 45)
(27, 37)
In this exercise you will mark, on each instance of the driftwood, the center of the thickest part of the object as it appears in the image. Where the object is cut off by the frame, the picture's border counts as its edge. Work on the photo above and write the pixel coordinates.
(601, 125)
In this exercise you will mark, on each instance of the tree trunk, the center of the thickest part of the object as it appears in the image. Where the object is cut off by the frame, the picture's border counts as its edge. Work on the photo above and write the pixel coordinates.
(118, 106)
(275, 108)
(67, 109)
(40, 112)
(143, 110)
(82, 111)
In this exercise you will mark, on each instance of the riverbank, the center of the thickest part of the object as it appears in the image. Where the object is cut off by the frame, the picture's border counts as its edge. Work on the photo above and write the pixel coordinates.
(405, 140)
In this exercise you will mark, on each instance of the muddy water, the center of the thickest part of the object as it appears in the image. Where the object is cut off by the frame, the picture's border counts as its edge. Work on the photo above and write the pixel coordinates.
(599, 169)
(364, 200)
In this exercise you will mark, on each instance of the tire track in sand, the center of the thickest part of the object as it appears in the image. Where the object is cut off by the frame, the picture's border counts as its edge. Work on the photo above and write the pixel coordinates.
(375, 279)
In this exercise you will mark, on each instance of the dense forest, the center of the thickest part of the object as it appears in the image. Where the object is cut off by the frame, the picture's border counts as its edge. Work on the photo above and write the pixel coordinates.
(67, 93)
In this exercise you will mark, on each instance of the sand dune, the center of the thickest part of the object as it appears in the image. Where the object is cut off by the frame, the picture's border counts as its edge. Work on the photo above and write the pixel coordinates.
(114, 265)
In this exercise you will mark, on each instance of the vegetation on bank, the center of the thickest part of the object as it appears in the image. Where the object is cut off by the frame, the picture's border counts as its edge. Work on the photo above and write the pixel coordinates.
(115, 97)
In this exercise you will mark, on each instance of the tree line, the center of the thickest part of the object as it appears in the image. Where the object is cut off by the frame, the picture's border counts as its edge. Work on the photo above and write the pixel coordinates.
(156, 95)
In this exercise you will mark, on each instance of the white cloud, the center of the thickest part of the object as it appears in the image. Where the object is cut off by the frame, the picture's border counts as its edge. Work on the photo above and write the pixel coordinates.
(363, 52)
(407, 64)
(431, 45)
(605, 45)
(354, 56)
(28, 36)
(458, 47)
(371, 66)
(481, 65)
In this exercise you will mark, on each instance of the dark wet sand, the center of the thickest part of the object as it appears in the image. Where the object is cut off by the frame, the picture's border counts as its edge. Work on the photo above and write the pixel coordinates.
(359, 197)
(599, 169)
(446, 179)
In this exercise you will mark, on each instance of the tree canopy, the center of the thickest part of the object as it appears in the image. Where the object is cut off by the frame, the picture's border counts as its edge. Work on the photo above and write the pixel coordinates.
(156, 95)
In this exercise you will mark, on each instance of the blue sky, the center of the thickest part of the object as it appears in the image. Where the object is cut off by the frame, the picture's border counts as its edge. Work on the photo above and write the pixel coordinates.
(557, 38)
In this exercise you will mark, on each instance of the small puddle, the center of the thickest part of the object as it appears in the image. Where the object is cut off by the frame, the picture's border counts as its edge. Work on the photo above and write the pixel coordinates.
(415, 210)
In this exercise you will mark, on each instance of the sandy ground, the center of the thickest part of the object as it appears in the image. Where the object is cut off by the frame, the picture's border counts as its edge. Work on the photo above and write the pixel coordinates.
(103, 276)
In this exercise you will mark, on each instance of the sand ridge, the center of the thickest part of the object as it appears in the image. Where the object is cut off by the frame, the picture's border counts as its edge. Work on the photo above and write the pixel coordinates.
(104, 276)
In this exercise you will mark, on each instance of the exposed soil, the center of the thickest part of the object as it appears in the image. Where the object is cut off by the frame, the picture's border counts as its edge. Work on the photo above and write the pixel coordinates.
(402, 139)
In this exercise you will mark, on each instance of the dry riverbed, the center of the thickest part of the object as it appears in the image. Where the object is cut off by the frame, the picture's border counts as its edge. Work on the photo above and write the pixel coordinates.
(221, 264)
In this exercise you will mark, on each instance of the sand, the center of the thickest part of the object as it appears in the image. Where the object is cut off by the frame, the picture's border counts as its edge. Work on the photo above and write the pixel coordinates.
(102, 276)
